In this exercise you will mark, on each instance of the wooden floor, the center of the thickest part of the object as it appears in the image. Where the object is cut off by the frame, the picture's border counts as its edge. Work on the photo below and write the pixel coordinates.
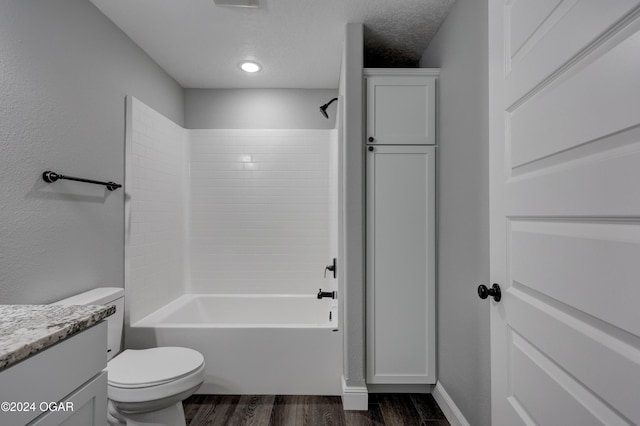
(296, 410)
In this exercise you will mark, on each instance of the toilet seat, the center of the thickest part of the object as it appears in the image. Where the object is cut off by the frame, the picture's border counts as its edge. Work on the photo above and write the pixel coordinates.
(138, 376)
(142, 368)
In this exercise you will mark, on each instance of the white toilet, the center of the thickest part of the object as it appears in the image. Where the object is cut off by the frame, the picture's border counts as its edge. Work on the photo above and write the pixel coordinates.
(147, 386)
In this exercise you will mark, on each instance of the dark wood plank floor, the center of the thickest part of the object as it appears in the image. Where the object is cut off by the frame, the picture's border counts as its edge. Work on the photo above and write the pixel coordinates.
(300, 410)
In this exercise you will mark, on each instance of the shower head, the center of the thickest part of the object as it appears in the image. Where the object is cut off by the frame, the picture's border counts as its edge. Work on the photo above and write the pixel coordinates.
(323, 108)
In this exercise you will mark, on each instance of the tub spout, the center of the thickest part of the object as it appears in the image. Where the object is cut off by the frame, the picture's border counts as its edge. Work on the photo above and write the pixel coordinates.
(331, 294)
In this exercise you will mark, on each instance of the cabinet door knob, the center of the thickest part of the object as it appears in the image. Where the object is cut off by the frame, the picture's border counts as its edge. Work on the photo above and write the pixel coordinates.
(370, 148)
(371, 139)
(494, 291)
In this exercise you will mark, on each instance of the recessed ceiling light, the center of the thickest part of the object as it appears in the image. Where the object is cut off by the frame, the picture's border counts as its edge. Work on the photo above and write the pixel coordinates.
(250, 66)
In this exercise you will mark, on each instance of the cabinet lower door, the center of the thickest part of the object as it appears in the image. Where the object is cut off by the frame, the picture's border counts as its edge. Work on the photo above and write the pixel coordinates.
(401, 265)
(87, 406)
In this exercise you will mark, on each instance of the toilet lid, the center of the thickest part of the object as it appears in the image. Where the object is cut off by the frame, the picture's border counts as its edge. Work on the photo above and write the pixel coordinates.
(155, 366)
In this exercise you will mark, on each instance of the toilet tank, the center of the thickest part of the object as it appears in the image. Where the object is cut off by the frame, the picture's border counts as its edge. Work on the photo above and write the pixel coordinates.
(104, 296)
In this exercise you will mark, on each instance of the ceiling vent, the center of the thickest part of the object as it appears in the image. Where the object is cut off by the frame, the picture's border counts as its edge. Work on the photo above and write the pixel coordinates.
(237, 3)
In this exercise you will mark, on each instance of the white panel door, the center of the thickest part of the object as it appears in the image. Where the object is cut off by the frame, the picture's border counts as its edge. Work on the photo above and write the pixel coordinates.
(565, 211)
(401, 110)
(400, 264)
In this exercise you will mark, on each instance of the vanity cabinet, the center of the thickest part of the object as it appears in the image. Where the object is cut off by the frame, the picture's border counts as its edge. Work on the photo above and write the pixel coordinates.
(400, 227)
(69, 375)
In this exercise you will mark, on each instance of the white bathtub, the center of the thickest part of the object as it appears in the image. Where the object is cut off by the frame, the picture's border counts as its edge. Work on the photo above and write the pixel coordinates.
(253, 344)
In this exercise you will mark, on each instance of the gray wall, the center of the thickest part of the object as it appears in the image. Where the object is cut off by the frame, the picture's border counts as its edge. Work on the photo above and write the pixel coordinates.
(64, 72)
(460, 49)
(258, 108)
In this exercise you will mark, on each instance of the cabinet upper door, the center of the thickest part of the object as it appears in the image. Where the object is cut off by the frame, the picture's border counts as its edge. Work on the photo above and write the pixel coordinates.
(401, 110)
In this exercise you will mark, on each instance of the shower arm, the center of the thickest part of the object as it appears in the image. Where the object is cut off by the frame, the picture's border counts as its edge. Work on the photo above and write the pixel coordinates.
(330, 102)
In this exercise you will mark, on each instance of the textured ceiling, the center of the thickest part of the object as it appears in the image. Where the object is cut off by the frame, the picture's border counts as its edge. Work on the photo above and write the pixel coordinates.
(298, 42)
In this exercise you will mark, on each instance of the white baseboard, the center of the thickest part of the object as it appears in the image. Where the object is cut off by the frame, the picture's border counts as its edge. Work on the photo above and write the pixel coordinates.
(411, 388)
(449, 408)
(354, 397)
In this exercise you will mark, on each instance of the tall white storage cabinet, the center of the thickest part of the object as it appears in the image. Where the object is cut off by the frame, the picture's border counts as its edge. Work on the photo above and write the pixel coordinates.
(400, 189)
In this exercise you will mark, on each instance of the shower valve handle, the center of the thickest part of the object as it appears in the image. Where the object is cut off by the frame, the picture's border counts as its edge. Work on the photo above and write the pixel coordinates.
(331, 268)
(328, 268)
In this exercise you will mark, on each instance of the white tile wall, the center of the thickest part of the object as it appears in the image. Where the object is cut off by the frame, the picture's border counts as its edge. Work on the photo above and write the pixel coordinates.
(259, 211)
(334, 180)
(224, 211)
(156, 210)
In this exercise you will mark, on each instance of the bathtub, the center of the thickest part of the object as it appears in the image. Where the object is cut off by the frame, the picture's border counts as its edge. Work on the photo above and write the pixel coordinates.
(253, 344)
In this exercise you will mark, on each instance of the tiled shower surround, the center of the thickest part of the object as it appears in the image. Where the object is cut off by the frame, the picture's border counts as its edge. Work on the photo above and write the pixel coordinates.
(155, 210)
(259, 210)
(225, 211)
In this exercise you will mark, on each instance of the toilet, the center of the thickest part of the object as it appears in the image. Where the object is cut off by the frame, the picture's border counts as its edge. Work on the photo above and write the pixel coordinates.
(146, 386)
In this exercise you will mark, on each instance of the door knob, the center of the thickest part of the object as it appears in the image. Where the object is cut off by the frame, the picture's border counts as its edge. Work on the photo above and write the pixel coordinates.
(494, 291)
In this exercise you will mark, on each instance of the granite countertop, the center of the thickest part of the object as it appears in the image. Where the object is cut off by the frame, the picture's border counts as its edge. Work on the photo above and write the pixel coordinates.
(28, 329)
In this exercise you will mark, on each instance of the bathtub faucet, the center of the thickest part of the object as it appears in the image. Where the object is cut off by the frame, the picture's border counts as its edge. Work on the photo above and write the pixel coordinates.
(331, 294)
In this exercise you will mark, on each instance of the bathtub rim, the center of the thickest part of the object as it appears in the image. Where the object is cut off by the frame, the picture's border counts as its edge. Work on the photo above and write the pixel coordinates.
(156, 319)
